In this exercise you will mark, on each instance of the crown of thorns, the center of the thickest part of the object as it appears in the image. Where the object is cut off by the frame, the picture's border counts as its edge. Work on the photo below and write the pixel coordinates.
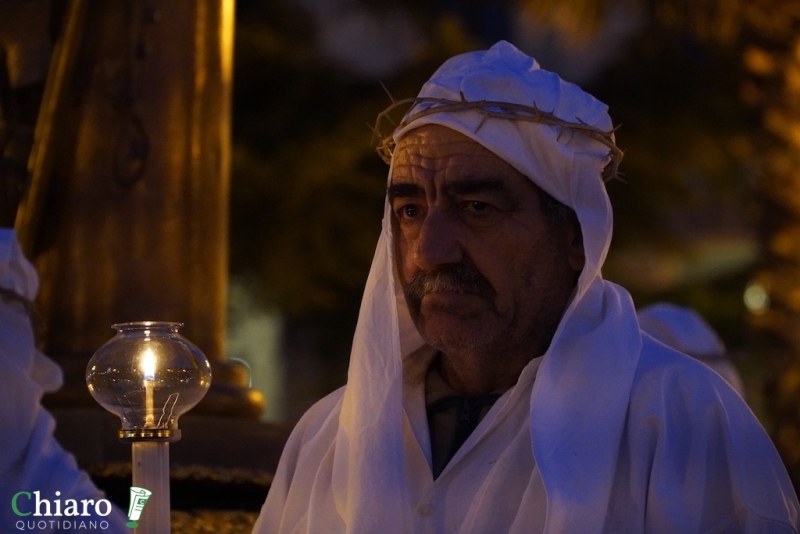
(494, 110)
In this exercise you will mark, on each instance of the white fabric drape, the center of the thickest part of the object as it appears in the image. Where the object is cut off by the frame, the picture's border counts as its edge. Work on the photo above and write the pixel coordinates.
(549, 454)
(30, 457)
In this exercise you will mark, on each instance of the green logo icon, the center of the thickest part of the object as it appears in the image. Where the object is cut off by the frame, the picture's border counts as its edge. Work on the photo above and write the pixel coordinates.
(139, 498)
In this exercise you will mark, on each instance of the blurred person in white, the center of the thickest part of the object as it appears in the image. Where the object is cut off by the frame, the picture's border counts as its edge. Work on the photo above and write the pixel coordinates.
(497, 384)
(34, 468)
(686, 331)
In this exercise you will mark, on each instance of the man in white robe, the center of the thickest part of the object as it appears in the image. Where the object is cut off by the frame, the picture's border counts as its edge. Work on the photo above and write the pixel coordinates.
(497, 383)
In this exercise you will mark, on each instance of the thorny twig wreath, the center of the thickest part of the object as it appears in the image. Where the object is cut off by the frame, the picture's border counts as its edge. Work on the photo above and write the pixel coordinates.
(493, 110)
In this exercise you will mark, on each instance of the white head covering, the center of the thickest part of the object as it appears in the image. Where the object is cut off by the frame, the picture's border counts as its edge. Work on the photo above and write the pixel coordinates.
(565, 164)
(685, 330)
(578, 405)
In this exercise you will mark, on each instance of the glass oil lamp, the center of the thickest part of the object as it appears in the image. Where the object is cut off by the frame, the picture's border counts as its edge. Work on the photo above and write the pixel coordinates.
(149, 375)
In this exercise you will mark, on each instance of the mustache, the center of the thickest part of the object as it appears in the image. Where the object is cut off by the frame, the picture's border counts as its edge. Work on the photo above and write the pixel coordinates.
(459, 278)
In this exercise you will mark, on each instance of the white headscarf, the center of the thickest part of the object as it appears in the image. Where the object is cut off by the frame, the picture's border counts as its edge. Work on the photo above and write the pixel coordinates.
(581, 391)
(685, 330)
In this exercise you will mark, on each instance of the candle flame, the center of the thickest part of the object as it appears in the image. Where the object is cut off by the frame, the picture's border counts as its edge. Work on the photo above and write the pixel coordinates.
(148, 364)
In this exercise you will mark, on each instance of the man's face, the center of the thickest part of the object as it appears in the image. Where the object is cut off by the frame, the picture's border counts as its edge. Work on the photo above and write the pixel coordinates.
(482, 268)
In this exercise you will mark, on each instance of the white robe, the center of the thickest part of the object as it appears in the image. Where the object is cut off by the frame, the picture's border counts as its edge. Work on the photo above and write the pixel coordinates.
(30, 457)
(608, 431)
(693, 459)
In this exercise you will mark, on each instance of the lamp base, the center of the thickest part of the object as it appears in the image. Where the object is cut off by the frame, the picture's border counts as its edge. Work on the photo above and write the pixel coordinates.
(167, 435)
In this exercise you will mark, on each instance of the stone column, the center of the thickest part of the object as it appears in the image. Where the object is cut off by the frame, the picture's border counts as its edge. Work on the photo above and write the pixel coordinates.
(126, 217)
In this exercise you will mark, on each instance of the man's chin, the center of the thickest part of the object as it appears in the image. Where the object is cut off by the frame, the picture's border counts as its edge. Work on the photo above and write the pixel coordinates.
(452, 304)
(442, 330)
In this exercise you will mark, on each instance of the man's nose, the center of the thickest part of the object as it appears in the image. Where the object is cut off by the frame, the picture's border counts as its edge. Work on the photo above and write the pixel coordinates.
(437, 243)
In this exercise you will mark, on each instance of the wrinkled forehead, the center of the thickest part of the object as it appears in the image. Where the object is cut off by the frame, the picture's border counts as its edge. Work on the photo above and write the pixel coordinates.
(434, 147)
(529, 149)
(438, 157)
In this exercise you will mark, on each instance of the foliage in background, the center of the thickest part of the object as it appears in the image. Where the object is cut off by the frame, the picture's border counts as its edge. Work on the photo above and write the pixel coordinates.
(685, 216)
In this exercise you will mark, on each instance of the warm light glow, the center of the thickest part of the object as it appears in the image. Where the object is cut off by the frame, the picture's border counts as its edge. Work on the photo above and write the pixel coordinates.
(226, 40)
(148, 364)
(759, 61)
(756, 298)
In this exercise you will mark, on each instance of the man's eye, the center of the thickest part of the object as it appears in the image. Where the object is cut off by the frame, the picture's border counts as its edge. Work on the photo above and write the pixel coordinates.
(408, 211)
(477, 206)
